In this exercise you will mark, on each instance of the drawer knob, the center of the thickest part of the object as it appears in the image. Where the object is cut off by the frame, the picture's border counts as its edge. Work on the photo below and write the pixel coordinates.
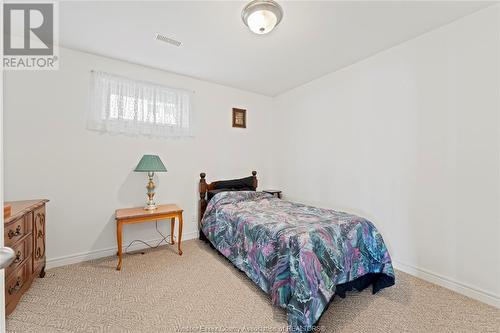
(13, 233)
(16, 287)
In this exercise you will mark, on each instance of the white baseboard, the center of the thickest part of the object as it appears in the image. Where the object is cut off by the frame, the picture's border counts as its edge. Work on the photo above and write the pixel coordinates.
(461, 288)
(111, 251)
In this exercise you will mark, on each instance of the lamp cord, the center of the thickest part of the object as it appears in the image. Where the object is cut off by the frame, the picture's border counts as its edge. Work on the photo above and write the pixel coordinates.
(163, 239)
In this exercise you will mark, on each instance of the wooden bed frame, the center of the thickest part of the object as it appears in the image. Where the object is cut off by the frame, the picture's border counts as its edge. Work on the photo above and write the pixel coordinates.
(205, 187)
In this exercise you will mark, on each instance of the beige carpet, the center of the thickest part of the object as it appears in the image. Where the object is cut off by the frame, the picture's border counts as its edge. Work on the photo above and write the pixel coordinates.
(201, 292)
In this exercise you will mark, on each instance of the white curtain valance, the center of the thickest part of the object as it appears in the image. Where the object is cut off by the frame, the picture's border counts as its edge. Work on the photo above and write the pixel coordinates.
(122, 105)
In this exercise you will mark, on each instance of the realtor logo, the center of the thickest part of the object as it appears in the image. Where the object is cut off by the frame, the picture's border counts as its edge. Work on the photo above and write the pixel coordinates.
(29, 36)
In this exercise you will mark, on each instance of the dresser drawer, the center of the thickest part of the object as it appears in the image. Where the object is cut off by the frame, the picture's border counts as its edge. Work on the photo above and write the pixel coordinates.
(15, 283)
(23, 252)
(15, 230)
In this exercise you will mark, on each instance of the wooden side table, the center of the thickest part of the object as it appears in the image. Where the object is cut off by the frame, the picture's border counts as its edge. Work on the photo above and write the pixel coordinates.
(139, 215)
(276, 193)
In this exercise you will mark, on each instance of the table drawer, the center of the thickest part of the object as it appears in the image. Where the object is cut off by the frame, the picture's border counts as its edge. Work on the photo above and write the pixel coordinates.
(23, 252)
(16, 230)
(16, 281)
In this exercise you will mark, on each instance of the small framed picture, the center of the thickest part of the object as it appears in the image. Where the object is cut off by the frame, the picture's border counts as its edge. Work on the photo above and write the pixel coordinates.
(239, 118)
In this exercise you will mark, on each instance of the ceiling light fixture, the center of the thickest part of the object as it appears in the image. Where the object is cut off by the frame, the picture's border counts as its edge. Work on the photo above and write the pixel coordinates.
(262, 16)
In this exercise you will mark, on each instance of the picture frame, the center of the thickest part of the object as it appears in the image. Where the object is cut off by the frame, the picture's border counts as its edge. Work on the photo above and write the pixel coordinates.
(239, 118)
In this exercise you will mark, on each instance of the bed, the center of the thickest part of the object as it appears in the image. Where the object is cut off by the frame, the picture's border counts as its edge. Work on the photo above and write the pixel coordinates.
(302, 256)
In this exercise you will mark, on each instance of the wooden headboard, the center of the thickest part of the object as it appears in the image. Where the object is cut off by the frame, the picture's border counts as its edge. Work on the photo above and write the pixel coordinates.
(205, 187)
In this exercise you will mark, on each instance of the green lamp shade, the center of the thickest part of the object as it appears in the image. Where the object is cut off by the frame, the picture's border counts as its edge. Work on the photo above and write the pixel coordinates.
(150, 163)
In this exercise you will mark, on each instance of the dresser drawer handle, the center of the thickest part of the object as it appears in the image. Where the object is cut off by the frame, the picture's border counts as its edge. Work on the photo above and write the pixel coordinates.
(16, 287)
(18, 258)
(13, 234)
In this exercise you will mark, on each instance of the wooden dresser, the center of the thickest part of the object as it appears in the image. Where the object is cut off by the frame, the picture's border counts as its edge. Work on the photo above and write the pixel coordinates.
(24, 232)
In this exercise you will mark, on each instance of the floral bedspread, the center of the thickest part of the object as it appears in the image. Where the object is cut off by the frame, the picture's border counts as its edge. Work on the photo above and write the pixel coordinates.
(296, 253)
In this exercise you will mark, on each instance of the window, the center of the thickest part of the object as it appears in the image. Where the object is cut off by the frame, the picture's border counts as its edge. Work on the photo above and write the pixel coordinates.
(121, 105)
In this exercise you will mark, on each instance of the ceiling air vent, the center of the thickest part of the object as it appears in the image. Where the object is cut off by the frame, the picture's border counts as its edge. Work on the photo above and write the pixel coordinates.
(165, 39)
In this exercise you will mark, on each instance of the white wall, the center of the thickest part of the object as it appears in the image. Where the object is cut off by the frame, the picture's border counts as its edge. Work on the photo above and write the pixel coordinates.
(409, 138)
(49, 153)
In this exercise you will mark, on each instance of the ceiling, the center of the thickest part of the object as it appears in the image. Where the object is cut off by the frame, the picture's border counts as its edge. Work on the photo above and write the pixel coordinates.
(314, 38)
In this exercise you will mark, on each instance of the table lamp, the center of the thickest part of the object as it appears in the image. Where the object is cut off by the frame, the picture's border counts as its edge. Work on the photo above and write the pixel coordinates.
(150, 164)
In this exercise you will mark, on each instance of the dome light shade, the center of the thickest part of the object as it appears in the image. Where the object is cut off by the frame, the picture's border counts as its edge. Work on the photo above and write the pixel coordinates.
(261, 16)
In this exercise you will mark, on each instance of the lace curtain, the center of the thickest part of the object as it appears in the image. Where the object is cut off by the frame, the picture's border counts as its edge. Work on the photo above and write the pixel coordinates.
(122, 105)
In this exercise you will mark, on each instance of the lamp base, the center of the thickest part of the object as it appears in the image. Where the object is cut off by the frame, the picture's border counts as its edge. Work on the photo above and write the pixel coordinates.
(150, 207)
(150, 204)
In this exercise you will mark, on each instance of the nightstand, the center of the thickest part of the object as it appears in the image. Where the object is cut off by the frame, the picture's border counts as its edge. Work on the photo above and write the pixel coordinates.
(275, 193)
(139, 215)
